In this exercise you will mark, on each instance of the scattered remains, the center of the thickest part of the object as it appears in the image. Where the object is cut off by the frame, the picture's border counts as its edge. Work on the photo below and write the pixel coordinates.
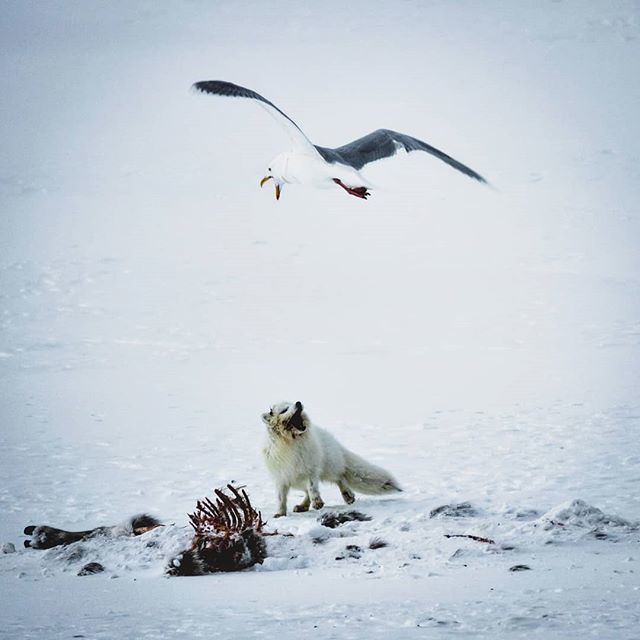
(333, 519)
(351, 551)
(520, 567)
(90, 568)
(377, 543)
(460, 510)
(45, 537)
(466, 535)
(227, 536)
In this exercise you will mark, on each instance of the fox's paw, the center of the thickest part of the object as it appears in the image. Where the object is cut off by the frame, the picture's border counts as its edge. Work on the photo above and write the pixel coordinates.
(280, 514)
(318, 503)
(300, 508)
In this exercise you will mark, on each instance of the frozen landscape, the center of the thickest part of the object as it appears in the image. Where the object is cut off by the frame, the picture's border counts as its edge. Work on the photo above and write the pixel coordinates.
(483, 344)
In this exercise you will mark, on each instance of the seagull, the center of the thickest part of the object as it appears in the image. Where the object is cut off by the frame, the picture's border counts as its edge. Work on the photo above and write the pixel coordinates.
(311, 164)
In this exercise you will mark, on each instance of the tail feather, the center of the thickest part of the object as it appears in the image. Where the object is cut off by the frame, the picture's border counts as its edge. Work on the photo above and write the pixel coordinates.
(368, 478)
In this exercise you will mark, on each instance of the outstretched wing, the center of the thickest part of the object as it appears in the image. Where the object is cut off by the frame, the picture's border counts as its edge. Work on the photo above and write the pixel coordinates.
(228, 89)
(385, 143)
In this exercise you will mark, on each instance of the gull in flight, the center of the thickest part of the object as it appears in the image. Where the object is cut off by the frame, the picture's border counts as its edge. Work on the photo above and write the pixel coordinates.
(308, 163)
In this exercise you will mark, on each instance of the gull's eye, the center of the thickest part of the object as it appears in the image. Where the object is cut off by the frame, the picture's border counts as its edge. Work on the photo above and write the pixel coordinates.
(269, 169)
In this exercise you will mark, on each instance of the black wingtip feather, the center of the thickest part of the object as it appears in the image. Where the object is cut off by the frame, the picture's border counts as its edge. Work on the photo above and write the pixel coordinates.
(223, 88)
(230, 90)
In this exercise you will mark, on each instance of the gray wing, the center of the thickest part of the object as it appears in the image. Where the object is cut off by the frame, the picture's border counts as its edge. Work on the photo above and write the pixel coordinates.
(385, 143)
(230, 90)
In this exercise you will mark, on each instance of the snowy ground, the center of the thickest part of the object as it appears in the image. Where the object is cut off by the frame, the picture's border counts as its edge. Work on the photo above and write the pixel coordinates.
(483, 345)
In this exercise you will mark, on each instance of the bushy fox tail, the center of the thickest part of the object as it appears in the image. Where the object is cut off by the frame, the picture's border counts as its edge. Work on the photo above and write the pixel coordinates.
(364, 477)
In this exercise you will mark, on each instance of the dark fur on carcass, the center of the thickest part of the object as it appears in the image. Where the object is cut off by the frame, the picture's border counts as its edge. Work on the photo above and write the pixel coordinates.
(46, 537)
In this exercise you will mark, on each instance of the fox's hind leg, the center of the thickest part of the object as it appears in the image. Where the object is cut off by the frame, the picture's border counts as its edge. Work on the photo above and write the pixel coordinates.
(347, 495)
(304, 505)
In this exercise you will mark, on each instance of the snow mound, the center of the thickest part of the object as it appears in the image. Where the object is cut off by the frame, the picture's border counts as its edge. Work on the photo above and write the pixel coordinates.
(577, 519)
(578, 513)
(118, 555)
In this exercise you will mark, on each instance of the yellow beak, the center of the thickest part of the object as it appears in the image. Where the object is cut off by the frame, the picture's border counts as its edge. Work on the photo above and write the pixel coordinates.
(277, 185)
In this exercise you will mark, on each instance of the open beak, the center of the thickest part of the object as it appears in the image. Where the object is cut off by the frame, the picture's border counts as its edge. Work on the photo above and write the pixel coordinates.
(277, 186)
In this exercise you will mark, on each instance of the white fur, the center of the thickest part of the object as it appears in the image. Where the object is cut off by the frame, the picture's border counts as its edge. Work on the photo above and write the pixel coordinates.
(300, 455)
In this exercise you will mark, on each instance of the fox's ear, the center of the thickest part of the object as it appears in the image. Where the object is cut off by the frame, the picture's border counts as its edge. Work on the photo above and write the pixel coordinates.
(299, 406)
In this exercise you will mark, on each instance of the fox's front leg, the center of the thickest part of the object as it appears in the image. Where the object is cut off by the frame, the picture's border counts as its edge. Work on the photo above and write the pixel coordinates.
(314, 493)
(283, 492)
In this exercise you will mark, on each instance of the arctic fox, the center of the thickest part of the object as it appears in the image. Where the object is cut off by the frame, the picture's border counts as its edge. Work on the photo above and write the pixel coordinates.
(299, 454)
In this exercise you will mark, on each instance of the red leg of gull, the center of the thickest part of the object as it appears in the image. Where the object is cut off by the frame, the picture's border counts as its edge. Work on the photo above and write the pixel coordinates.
(358, 192)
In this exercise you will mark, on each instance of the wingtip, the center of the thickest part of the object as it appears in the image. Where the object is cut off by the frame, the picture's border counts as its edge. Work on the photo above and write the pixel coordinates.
(482, 180)
(205, 86)
(474, 175)
(196, 87)
(488, 184)
(221, 88)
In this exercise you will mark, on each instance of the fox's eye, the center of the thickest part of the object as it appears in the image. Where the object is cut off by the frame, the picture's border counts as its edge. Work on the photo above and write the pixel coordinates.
(284, 410)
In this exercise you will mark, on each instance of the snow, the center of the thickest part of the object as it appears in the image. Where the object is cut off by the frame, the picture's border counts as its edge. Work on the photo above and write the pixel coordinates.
(483, 345)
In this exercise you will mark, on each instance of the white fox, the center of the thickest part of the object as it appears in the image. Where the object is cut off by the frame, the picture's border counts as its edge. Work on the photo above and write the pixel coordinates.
(300, 455)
